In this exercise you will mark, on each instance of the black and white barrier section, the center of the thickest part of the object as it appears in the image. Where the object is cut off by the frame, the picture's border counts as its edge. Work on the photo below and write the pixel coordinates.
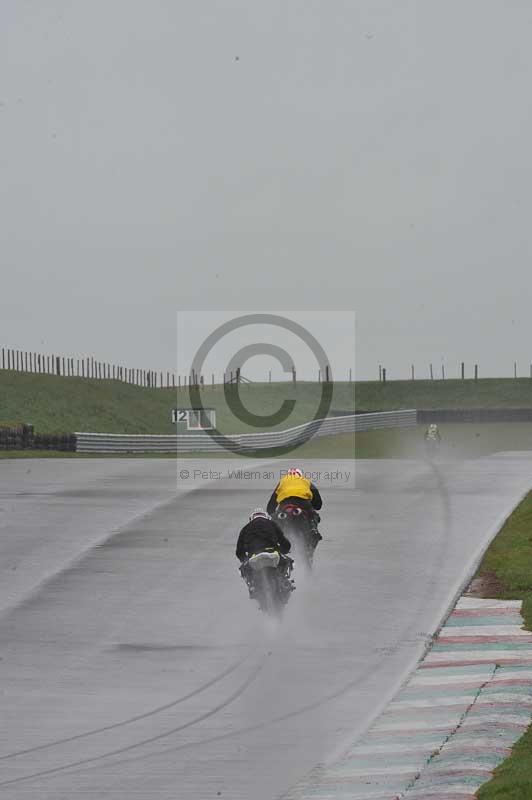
(202, 441)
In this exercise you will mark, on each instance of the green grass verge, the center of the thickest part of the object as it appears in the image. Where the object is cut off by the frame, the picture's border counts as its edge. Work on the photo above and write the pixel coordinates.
(461, 440)
(506, 570)
(484, 393)
(54, 404)
(507, 564)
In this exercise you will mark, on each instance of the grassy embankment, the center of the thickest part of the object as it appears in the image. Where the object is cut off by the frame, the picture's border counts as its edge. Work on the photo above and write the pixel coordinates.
(506, 573)
(55, 404)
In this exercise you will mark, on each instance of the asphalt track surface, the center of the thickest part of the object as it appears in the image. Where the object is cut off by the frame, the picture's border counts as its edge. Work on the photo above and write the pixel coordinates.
(132, 664)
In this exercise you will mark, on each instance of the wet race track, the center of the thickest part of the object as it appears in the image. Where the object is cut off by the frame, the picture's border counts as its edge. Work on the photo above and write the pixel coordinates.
(132, 664)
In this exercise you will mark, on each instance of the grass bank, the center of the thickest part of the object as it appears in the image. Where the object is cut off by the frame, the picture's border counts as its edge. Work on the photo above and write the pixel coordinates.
(506, 573)
(56, 404)
(460, 440)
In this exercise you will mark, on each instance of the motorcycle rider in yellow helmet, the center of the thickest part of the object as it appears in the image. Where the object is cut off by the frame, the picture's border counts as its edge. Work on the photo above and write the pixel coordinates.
(296, 488)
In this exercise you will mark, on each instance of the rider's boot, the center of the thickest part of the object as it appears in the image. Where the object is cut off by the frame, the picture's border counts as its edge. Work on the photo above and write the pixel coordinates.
(315, 534)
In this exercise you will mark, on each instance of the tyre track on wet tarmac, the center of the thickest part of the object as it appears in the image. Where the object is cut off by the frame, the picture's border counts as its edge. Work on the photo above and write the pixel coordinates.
(158, 737)
(138, 718)
(438, 486)
(358, 681)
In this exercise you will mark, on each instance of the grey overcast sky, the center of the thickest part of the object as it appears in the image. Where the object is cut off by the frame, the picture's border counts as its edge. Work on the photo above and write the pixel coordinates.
(372, 155)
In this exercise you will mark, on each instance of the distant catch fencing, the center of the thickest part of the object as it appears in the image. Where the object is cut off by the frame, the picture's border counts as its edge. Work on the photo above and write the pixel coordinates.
(89, 367)
(86, 367)
(203, 442)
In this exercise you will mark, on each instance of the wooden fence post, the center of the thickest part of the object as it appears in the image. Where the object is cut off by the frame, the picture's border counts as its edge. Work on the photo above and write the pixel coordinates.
(413, 374)
(431, 373)
(476, 372)
(384, 374)
(463, 370)
(515, 369)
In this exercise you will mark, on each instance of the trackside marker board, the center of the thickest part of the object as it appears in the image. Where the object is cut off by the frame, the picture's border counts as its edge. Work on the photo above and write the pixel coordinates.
(195, 418)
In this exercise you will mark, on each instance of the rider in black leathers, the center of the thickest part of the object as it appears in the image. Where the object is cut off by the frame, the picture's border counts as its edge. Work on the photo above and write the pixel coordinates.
(262, 535)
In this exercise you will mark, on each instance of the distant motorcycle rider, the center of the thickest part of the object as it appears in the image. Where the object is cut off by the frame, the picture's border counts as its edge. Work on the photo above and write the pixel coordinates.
(296, 488)
(432, 434)
(261, 540)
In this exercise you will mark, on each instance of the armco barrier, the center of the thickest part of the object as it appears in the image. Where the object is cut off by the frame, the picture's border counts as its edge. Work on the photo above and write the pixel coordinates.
(202, 442)
(474, 415)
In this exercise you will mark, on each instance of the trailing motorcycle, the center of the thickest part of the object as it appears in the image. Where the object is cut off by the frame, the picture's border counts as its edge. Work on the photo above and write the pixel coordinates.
(268, 578)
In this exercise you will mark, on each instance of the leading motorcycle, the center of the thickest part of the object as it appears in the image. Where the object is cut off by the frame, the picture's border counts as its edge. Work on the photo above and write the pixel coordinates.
(299, 524)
